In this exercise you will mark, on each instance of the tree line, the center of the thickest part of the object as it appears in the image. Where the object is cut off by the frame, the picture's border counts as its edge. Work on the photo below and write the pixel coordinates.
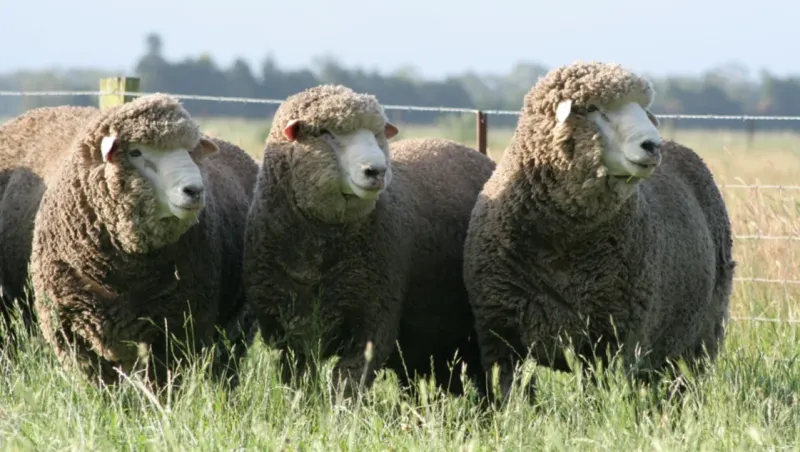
(725, 90)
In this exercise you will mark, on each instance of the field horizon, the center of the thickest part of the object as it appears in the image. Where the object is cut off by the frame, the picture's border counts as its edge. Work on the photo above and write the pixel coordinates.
(747, 400)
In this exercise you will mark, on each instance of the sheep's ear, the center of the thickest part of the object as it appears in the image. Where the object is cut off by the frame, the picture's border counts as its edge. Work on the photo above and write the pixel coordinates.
(108, 146)
(290, 131)
(390, 130)
(652, 117)
(563, 110)
(205, 148)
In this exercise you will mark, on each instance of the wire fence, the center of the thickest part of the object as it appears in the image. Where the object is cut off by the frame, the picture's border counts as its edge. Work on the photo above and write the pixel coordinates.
(442, 109)
(785, 283)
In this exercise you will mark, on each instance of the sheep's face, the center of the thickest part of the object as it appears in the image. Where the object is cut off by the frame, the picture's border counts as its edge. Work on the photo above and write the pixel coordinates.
(629, 137)
(352, 169)
(364, 169)
(173, 174)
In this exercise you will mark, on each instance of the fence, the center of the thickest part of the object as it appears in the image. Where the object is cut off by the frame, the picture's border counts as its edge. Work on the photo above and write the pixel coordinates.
(118, 90)
(122, 89)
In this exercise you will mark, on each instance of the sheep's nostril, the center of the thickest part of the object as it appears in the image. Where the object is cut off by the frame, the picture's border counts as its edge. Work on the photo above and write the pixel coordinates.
(374, 172)
(194, 191)
(649, 146)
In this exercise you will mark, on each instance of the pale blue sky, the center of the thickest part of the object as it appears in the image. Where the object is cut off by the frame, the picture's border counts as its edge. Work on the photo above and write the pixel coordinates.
(438, 37)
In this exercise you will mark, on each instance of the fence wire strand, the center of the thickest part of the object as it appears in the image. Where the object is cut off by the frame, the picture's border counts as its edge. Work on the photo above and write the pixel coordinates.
(442, 109)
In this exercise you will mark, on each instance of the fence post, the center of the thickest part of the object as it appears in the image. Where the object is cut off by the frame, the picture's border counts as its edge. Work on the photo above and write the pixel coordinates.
(480, 131)
(116, 86)
(751, 134)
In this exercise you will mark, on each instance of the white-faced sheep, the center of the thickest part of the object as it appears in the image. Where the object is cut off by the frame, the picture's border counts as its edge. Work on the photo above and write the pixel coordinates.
(370, 238)
(138, 232)
(590, 216)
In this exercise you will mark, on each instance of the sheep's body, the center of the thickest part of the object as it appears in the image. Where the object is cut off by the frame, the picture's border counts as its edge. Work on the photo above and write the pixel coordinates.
(103, 267)
(555, 241)
(24, 165)
(392, 274)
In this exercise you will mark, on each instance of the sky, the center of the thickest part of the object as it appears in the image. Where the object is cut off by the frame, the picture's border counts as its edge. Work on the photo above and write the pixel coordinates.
(437, 37)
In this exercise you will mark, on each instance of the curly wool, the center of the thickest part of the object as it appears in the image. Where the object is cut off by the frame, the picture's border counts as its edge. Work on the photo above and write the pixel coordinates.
(103, 266)
(315, 183)
(159, 120)
(24, 165)
(553, 241)
(585, 83)
(382, 271)
(562, 165)
(332, 107)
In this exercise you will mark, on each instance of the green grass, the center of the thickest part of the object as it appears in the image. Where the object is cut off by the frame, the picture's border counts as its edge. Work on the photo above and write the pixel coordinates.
(748, 400)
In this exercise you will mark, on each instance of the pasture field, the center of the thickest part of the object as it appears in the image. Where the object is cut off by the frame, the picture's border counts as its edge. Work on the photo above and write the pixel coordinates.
(747, 401)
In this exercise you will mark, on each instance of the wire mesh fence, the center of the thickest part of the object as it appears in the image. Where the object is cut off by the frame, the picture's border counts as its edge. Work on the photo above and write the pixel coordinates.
(765, 216)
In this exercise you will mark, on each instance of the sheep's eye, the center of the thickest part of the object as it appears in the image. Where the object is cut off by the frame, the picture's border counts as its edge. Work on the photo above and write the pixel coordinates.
(591, 108)
(135, 153)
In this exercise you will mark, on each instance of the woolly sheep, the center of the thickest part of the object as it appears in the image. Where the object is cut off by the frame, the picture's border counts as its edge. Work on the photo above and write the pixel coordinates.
(376, 238)
(140, 218)
(590, 215)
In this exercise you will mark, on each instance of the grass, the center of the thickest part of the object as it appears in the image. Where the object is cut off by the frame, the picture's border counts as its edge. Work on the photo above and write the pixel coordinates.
(747, 400)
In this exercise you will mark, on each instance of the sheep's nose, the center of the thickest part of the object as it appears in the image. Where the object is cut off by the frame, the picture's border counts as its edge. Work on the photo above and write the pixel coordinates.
(650, 146)
(193, 191)
(375, 172)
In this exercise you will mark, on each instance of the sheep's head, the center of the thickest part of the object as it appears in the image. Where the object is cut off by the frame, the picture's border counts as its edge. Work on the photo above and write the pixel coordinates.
(145, 166)
(341, 161)
(173, 173)
(600, 121)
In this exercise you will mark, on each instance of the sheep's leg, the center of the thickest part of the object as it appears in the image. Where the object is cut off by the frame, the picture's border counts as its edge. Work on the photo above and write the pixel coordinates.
(276, 336)
(357, 366)
(374, 332)
(499, 339)
(72, 349)
(19, 201)
(500, 344)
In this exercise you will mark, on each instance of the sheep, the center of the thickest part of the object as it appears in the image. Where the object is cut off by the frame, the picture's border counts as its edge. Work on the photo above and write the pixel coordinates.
(590, 217)
(350, 244)
(135, 222)
(21, 187)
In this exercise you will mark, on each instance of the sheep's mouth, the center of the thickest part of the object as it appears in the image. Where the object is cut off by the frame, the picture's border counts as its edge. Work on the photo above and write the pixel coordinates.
(187, 211)
(359, 191)
(369, 189)
(192, 208)
(626, 179)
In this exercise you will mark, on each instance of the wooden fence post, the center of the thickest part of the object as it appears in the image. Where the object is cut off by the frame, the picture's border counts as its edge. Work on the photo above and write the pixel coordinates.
(115, 86)
(751, 134)
(480, 131)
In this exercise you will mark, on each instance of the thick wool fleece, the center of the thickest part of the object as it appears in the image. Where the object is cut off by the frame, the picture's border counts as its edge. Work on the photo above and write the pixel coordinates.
(386, 271)
(315, 181)
(107, 274)
(554, 241)
(24, 164)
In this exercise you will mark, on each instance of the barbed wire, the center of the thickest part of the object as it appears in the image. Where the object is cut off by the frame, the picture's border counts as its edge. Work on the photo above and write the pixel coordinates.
(760, 186)
(767, 280)
(765, 320)
(250, 100)
(442, 109)
(788, 238)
